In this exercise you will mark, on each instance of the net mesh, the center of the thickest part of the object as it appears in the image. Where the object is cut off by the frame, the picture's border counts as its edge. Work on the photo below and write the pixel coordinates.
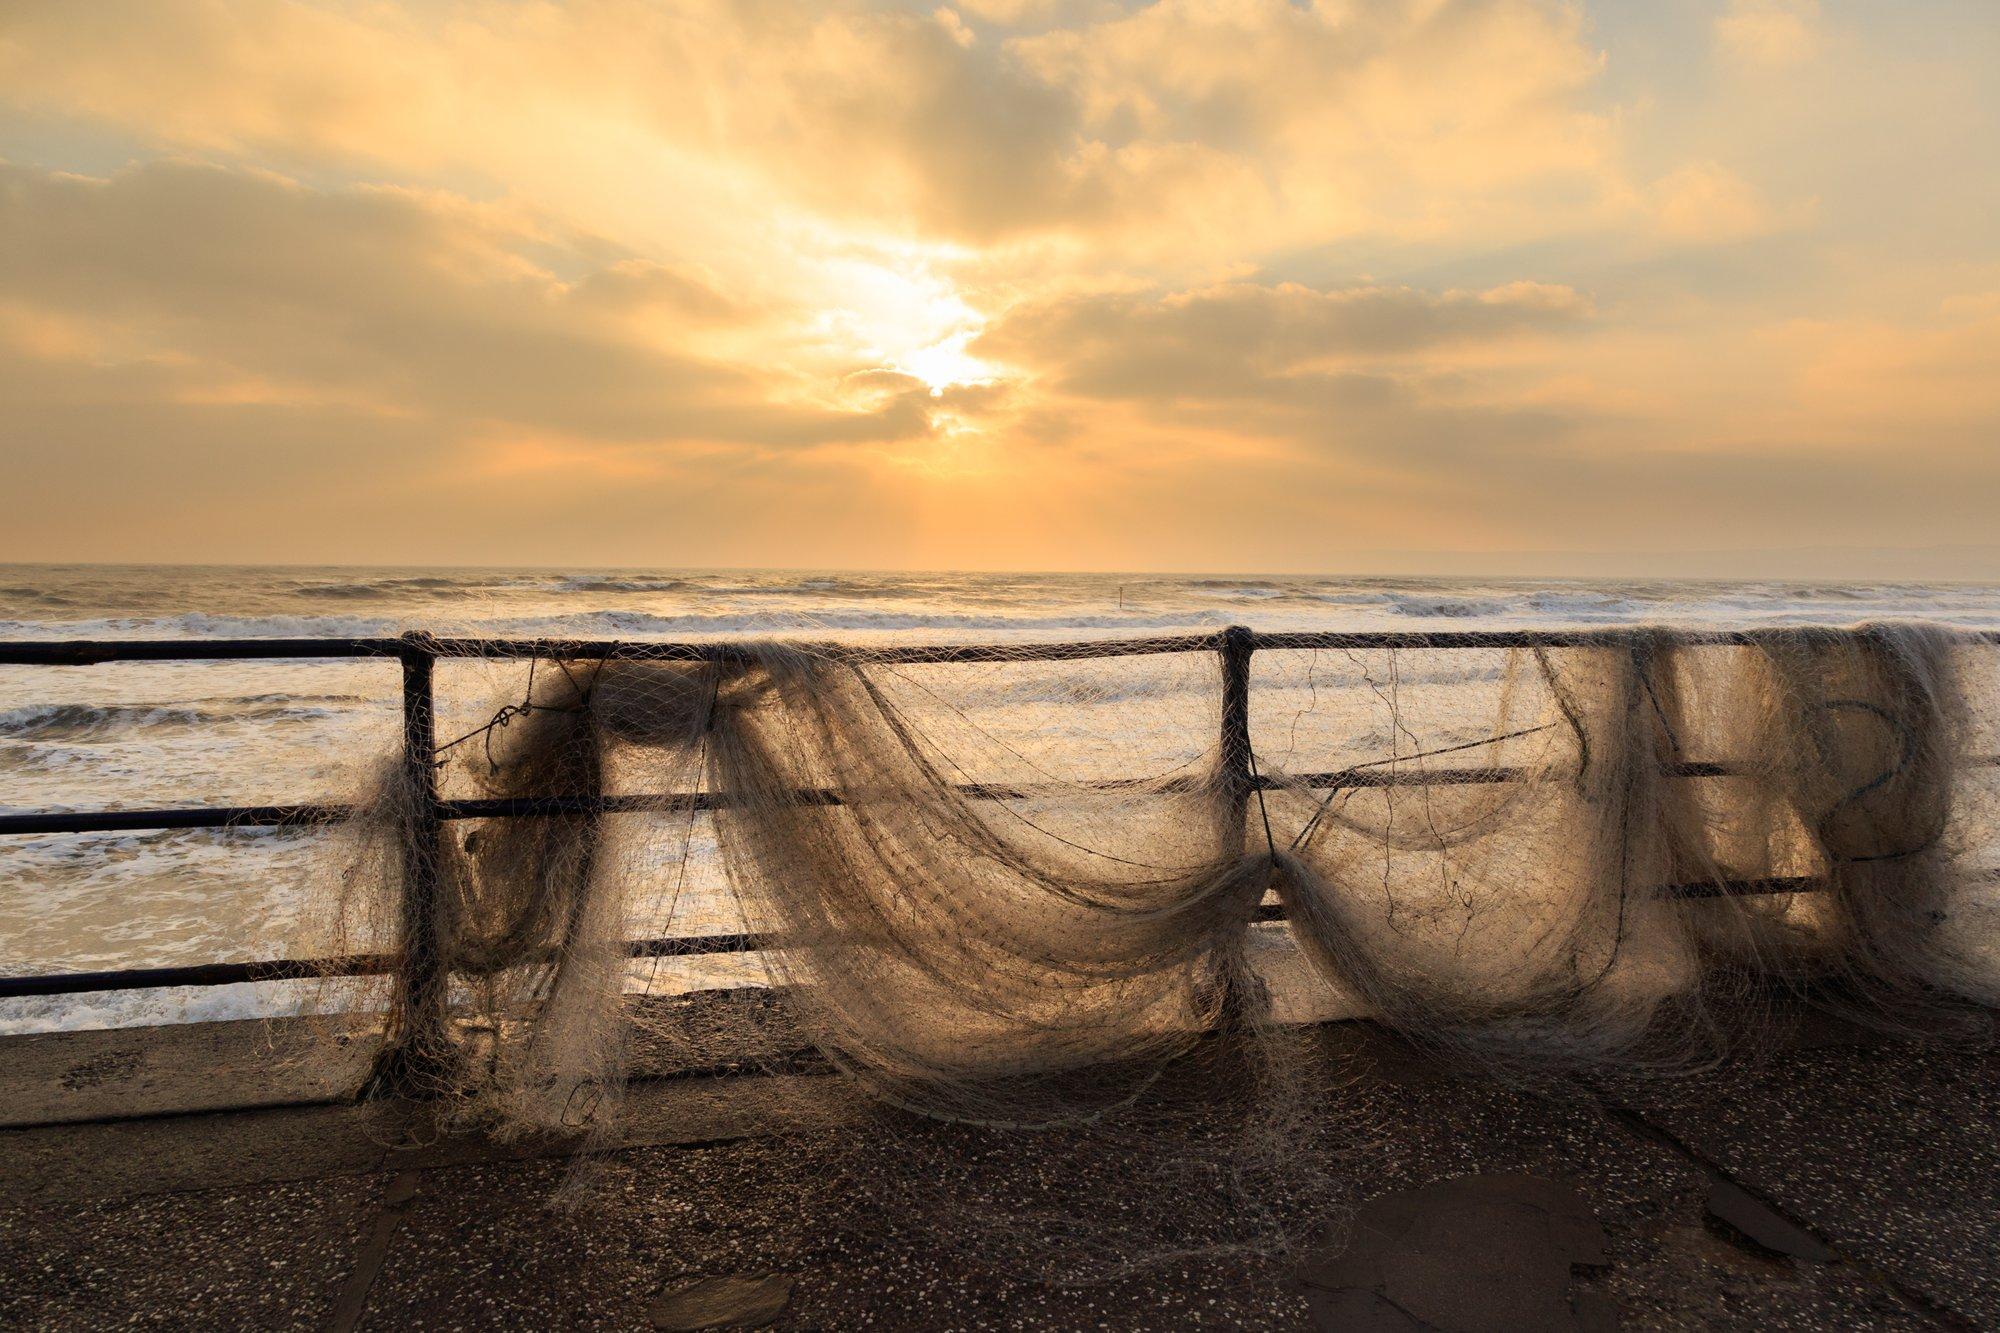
(1006, 895)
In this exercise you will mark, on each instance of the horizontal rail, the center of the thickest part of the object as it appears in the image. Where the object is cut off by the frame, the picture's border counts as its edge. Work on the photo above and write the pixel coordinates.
(194, 974)
(530, 807)
(312, 969)
(185, 817)
(1604, 637)
(96, 652)
(93, 652)
(540, 807)
(679, 946)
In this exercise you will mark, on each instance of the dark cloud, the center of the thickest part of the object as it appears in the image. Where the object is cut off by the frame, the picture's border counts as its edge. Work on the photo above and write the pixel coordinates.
(637, 287)
(1368, 373)
(1247, 340)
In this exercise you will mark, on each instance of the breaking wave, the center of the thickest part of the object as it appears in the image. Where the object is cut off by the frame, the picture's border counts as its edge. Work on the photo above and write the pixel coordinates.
(83, 722)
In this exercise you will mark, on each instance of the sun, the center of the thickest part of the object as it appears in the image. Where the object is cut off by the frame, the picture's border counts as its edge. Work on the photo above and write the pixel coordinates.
(895, 310)
(946, 362)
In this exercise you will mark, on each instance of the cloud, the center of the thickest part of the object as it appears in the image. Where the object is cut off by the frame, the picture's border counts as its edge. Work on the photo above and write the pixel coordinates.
(1246, 339)
(1706, 203)
(1876, 380)
(1374, 399)
(638, 288)
(1768, 34)
(1340, 119)
(1089, 120)
(390, 301)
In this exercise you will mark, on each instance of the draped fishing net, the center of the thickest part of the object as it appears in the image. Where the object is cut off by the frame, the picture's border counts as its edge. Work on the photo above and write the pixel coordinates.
(1005, 895)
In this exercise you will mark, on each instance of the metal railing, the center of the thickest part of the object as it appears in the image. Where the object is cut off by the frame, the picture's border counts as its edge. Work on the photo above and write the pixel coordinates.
(418, 654)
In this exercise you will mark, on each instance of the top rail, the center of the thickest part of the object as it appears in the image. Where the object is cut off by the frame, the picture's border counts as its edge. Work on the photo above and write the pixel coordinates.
(92, 652)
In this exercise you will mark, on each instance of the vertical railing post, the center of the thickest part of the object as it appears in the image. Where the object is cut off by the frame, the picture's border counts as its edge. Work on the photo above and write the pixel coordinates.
(1237, 643)
(419, 1057)
(1242, 1001)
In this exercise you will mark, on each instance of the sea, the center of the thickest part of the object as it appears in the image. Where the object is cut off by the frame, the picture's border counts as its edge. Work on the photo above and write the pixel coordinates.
(123, 736)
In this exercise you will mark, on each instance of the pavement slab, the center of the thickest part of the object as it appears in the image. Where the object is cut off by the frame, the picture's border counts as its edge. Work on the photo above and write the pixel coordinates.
(114, 1073)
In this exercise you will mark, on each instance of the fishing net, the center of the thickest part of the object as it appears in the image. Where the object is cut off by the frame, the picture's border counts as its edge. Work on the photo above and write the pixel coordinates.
(1005, 895)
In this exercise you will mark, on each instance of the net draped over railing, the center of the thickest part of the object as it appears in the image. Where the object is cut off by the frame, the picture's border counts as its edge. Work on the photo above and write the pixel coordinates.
(1009, 893)
(1013, 887)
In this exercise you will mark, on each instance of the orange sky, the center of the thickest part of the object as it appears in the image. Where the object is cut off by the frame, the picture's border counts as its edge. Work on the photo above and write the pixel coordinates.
(1222, 284)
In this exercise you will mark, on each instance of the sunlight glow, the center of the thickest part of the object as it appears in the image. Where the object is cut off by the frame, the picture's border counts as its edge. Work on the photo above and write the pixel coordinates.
(946, 362)
(893, 309)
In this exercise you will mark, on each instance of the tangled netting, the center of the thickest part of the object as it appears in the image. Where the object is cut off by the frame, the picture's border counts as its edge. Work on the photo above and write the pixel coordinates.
(1010, 894)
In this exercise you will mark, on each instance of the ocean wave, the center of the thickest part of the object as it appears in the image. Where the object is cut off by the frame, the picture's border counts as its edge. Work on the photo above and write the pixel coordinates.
(1580, 605)
(29, 757)
(203, 625)
(829, 589)
(33, 596)
(712, 587)
(1546, 606)
(616, 583)
(421, 585)
(1430, 607)
(72, 722)
(1102, 682)
(1226, 585)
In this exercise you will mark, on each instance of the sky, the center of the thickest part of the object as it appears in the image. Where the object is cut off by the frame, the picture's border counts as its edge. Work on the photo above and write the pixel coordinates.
(1236, 285)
